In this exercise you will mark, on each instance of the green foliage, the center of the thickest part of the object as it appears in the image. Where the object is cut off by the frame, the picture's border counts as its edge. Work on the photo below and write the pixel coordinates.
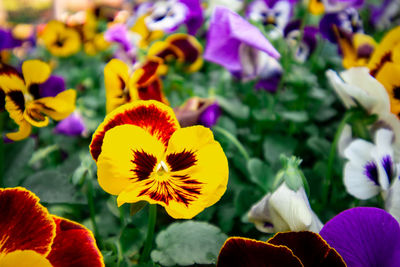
(188, 243)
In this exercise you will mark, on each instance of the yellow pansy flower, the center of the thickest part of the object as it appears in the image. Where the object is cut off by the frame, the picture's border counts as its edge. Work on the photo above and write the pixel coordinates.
(182, 47)
(61, 40)
(143, 84)
(142, 154)
(146, 36)
(23, 101)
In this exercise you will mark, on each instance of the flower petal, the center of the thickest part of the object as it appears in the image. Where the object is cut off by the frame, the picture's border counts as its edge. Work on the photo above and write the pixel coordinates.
(359, 182)
(238, 251)
(309, 247)
(383, 52)
(35, 72)
(389, 77)
(190, 48)
(24, 258)
(129, 155)
(116, 75)
(74, 245)
(364, 237)
(25, 224)
(155, 118)
(194, 157)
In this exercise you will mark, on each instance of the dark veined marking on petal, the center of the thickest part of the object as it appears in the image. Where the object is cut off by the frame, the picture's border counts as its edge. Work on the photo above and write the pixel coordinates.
(144, 164)
(386, 58)
(190, 51)
(150, 118)
(151, 91)
(396, 92)
(371, 171)
(167, 54)
(182, 160)
(150, 68)
(180, 188)
(34, 90)
(2, 100)
(387, 164)
(8, 70)
(365, 51)
(17, 97)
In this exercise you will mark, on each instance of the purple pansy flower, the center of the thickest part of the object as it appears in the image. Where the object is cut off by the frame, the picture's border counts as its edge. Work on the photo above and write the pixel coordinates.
(7, 40)
(241, 48)
(73, 125)
(169, 15)
(271, 12)
(365, 237)
(118, 33)
(332, 6)
(347, 20)
(52, 87)
(307, 44)
(385, 15)
(210, 115)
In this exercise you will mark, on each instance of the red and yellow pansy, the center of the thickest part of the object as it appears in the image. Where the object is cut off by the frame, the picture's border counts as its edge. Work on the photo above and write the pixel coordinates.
(30, 236)
(144, 83)
(23, 101)
(291, 249)
(142, 154)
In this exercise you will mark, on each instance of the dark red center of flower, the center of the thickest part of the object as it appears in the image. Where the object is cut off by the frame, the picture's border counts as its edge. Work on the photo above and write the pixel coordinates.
(396, 92)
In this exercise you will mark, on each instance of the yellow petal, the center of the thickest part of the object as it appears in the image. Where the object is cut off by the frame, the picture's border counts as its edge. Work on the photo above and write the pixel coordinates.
(165, 51)
(118, 166)
(60, 106)
(23, 132)
(209, 173)
(116, 75)
(316, 7)
(389, 76)
(24, 258)
(35, 71)
(383, 52)
(154, 117)
(146, 36)
(11, 80)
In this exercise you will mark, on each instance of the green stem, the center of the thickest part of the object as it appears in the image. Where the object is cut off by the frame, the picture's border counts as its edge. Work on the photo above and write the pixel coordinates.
(332, 154)
(150, 234)
(90, 196)
(234, 141)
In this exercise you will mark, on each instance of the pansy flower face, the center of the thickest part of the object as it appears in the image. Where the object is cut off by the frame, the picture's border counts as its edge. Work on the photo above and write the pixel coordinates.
(307, 44)
(143, 34)
(347, 20)
(61, 40)
(356, 48)
(24, 101)
(166, 15)
(144, 83)
(143, 154)
(277, 13)
(371, 167)
(181, 47)
(284, 249)
(30, 236)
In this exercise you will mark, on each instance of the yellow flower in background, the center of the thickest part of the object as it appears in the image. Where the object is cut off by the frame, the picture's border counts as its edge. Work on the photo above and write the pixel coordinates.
(143, 84)
(23, 101)
(388, 50)
(316, 7)
(356, 48)
(142, 154)
(60, 40)
(93, 39)
(182, 47)
(145, 35)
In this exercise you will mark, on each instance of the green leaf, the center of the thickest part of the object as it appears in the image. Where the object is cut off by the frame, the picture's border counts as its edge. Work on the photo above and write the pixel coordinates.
(42, 153)
(234, 107)
(17, 156)
(260, 173)
(275, 145)
(188, 243)
(52, 186)
(295, 116)
(136, 207)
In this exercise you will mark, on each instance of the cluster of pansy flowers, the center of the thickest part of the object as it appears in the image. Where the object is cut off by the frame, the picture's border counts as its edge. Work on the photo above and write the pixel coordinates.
(31, 236)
